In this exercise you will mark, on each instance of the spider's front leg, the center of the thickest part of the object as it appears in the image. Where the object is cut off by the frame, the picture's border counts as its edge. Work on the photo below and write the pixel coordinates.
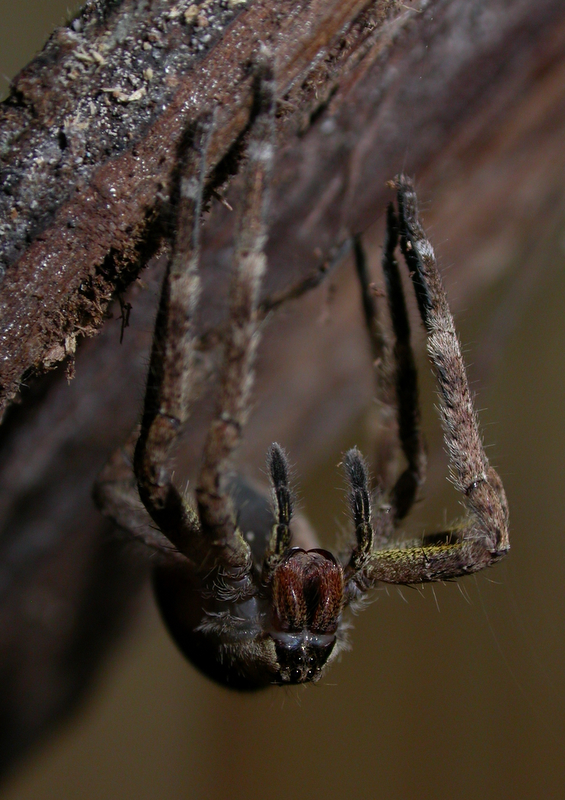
(215, 506)
(213, 603)
(170, 379)
(169, 389)
(481, 538)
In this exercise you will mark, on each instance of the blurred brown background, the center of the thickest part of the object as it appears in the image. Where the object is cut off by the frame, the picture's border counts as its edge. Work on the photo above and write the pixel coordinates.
(455, 691)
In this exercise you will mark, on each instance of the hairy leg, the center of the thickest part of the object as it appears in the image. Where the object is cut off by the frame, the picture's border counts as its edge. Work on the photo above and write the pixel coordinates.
(397, 384)
(469, 464)
(482, 538)
(282, 496)
(168, 392)
(405, 381)
(385, 456)
(361, 511)
(116, 495)
(215, 507)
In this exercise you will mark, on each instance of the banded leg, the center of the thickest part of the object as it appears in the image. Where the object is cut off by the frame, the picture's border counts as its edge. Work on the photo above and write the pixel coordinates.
(116, 494)
(168, 392)
(482, 538)
(215, 506)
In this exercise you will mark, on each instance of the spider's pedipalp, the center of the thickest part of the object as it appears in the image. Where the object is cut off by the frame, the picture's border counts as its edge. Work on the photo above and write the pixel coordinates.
(282, 495)
(360, 504)
(357, 476)
(278, 470)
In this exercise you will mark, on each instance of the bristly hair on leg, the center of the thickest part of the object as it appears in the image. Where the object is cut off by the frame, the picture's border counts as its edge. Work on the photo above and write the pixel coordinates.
(215, 505)
(277, 463)
(357, 474)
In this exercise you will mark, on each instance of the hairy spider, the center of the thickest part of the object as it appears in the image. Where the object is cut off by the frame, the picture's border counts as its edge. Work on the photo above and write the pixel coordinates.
(251, 614)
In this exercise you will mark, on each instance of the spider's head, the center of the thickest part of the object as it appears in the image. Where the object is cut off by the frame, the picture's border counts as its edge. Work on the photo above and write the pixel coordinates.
(307, 591)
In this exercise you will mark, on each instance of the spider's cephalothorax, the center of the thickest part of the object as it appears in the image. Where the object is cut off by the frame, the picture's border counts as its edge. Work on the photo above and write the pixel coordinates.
(248, 601)
(277, 622)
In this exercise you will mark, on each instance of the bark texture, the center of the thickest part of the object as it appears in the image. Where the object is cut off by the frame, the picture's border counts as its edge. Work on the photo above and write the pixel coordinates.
(468, 95)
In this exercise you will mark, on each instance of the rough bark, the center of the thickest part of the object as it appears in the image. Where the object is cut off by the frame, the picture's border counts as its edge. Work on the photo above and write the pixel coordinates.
(466, 94)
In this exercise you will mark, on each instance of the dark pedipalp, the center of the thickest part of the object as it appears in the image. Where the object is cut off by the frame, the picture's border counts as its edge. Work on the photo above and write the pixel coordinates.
(278, 469)
(360, 504)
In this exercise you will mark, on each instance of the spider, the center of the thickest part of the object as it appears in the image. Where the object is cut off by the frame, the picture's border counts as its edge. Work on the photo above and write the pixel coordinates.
(269, 611)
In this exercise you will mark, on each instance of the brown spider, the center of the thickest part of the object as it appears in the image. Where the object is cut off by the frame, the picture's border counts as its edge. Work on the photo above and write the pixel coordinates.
(252, 615)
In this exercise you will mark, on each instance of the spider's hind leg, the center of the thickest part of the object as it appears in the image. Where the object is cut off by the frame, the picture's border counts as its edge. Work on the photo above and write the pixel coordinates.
(481, 539)
(472, 475)
(397, 383)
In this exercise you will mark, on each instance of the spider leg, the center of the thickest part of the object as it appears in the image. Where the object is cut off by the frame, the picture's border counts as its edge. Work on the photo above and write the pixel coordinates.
(397, 379)
(386, 452)
(168, 392)
(469, 465)
(405, 489)
(215, 506)
(116, 495)
(482, 538)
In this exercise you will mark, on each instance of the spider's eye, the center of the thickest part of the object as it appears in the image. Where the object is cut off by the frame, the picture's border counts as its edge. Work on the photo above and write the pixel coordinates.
(303, 661)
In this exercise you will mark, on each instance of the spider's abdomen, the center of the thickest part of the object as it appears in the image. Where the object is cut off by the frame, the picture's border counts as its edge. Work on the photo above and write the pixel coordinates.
(224, 640)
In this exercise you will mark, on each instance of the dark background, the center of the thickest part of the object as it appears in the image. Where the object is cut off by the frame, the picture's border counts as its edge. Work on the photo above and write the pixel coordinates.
(453, 691)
